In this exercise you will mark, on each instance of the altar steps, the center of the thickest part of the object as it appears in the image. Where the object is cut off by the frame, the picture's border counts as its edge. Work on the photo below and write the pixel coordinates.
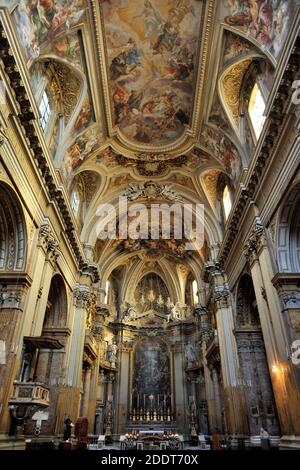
(167, 426)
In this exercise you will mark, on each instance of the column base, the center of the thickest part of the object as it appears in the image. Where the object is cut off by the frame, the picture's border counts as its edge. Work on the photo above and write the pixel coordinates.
(289, 443)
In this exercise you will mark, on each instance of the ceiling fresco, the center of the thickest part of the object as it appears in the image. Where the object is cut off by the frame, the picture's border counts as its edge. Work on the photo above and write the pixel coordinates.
(152, 53)
(267, 21)
(39, 22)
(149, 102)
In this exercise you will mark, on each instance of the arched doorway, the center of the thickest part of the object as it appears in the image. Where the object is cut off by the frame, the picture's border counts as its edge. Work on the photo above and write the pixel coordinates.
(254, 373)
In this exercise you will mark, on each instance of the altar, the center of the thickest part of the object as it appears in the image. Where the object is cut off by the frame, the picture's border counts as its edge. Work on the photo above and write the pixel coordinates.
(151, 440)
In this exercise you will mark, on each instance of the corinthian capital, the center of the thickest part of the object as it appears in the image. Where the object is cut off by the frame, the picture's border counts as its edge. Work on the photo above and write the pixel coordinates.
(81, 297)
(221, 296)
(211, 270)
(254, 241)
(48, 242)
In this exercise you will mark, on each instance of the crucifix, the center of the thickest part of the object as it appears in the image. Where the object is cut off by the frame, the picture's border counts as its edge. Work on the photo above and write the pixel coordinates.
(39, 417)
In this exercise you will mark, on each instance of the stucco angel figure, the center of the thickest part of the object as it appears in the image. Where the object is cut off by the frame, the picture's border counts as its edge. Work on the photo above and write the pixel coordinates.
(134, 191)
(170, 194)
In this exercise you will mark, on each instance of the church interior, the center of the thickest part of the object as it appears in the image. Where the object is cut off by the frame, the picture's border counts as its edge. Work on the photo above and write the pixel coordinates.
(149, 342)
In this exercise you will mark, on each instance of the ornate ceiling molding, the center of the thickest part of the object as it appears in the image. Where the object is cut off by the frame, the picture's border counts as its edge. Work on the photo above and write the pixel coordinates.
(209, 180)
(178, 146)
(69, 87)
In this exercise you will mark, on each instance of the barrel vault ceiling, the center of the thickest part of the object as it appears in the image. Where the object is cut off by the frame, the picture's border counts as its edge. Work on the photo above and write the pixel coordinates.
(147, 90)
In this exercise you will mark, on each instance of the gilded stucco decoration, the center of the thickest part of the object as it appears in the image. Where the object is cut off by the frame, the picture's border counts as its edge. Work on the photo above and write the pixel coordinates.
(230, 85)
(70, 87)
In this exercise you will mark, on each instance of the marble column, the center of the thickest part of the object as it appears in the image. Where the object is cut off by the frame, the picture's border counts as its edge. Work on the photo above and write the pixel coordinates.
(100, 403)
(181, 406)
(234, 402)
(275, 334)
(101, 387)
(218, 403)
(86, 391)
(123, 389)
(109, 404)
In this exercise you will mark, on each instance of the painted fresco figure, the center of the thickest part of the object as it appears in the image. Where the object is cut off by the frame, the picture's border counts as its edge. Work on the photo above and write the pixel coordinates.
(127, 61)
(167, 40)
(153, 20)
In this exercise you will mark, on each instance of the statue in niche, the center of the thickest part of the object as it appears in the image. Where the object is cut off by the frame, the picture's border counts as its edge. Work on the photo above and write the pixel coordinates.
(112, 353)
(190, 353)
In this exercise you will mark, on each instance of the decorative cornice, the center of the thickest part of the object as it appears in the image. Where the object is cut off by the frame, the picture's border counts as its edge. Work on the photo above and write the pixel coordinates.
(277, 118)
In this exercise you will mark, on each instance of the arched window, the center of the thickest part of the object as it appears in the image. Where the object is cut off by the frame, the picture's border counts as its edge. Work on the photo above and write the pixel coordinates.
(195, 291)
(75, 202)
(224, 197)
(107, 286)
(256, 110)
(226, 201)
(45, 111)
